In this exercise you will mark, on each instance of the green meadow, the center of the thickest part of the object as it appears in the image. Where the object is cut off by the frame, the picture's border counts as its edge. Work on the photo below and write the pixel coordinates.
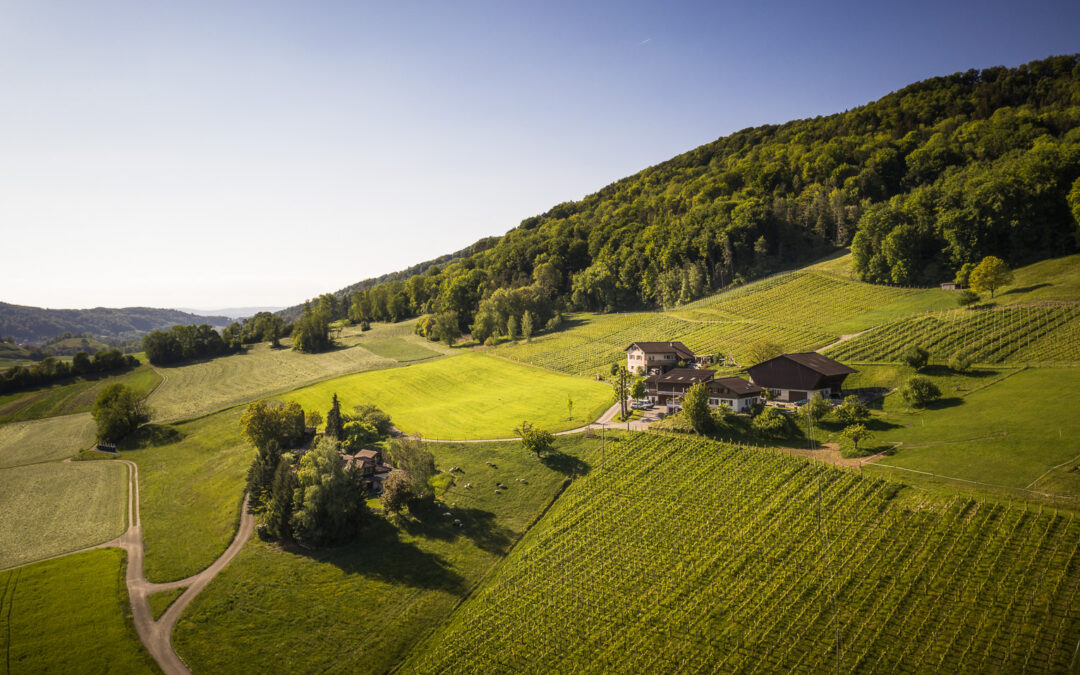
(45, 440)
(73, 396)
(70, 615)
(472, 395)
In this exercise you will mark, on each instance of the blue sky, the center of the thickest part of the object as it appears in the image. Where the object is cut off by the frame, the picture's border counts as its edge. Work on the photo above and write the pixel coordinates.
(213, 154)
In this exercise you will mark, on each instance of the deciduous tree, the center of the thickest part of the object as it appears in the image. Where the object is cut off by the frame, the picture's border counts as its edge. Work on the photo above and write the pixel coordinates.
(535, 440)
(118, 411)
(991, 274)
(919, 390)
(695, 408)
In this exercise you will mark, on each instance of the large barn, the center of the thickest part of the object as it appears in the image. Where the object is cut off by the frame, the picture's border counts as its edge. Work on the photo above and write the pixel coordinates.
(795, 377)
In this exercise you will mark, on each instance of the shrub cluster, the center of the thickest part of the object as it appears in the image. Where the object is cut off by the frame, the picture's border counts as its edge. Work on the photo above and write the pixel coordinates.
(52, 370)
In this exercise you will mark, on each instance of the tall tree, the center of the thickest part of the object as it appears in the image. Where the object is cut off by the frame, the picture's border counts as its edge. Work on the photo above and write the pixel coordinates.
(335, 425)
(527, 326)
(695, 408)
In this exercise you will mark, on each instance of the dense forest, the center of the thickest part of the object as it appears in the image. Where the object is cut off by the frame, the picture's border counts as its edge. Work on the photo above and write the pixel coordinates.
(918, 183)
(36, 325)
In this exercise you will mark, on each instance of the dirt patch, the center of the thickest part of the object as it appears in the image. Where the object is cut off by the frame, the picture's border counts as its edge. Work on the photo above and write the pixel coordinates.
(830, 453)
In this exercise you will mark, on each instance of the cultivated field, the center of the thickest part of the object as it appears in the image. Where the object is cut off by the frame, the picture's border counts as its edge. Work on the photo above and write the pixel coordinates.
(689, 555)
(45, 440)
(191, 486)
(76, 396)
(468, 396)
(68, 616)
(294, 610)
(59, 507)
(399, 349)
(1044, 333)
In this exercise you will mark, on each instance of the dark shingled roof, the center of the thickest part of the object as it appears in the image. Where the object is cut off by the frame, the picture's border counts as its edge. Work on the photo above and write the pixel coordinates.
(738, 385)
(653, 347)
(819, 363)
(682, 375)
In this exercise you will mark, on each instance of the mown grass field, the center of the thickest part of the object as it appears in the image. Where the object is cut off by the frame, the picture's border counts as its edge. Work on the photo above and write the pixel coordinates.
(74, 396)
(472, 395)
(689, 555)
(209, 386)
(1012, 433)
(69, 615)
(360, 608)
(45, 440)
(399, 349)
(59, 507)
(191, 486)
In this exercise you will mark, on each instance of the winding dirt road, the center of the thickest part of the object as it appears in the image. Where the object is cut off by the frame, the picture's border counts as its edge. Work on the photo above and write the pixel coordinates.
(157, 635)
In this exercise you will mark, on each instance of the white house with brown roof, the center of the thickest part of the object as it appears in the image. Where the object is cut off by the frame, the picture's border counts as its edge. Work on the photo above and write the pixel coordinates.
(669, 388)
(650, 358)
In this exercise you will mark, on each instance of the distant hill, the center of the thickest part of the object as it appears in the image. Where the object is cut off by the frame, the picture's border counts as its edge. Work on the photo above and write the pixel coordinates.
(36, 324)
(231, 312)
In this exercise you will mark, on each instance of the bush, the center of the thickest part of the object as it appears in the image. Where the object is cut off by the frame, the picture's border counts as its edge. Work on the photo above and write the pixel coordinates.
(852, 410)
(769, 422)
(966, 298)
(960, 363)
(919, 390)
(916, 357)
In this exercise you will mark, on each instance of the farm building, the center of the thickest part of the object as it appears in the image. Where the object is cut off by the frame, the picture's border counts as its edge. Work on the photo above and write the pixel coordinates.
(669, 389)
(795, 377)
(652, 358)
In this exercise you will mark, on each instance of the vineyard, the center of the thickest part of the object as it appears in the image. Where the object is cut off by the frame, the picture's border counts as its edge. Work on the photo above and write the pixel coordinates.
(1044, 333)
(691, 556)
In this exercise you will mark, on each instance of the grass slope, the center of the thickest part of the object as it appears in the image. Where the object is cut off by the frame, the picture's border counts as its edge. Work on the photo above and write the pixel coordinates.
(58, 507)
(191, 485)
(689, 555)
(360, 608)
(74, 396)
(209, 386)
(45, 440)
(468, 396)
(69, 615)
(1009, 433)
(399, 349)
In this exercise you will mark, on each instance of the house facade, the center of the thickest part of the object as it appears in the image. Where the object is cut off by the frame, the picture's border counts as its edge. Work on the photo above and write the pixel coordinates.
(795, 377)
(668, 389)
(652, 358)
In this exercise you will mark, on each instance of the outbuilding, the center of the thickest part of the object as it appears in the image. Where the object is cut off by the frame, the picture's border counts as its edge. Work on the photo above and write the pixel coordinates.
(795, 377)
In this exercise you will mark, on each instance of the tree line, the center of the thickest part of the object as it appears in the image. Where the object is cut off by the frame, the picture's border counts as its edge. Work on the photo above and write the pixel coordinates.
(921, 182)
(50, 369)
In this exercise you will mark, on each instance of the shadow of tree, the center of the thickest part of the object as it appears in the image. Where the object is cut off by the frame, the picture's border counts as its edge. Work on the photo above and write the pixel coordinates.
(151, 436)
(1026, 289)
(942, 403)
(379, 552)
(567, 465)
(478, 525)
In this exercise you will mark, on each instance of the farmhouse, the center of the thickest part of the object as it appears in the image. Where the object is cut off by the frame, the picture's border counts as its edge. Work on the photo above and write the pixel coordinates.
(669, 389)
(368, 468)
(794, 377)
(651, 358)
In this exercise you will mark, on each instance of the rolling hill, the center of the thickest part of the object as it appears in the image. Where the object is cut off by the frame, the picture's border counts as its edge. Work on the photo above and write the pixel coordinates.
(36, 324)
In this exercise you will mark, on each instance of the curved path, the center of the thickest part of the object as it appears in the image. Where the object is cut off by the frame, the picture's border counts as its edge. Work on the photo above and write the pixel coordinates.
(157, 635)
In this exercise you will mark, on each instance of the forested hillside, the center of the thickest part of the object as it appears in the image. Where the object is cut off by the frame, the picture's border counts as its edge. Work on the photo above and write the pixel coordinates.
(35, 324)
(920, 182)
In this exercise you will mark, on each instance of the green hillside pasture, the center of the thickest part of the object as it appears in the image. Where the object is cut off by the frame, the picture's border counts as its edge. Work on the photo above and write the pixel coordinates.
(45, 440)
(1037, 334)
(689, 556)
(162, 600)
(399, 349)
(816, 301)
(191, 486)
(74, 396)
(70, 615)
(360, 608)
(1008, 434)
(208, 386)
(60, 507)
(592, 342)
(1056, 279)
(468, 396)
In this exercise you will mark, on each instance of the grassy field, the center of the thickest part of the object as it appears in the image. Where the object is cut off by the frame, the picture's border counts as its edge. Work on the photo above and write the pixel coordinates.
(691, 556)
(399, 349)
(162, 600)
(59, 507)
(69, 615)
(209, 386)
(45, 440)
(1008, 434)
(360, 608)
(72, 397)
(1056, 279)
(191, 484)
(468, 396)
(1046, 333)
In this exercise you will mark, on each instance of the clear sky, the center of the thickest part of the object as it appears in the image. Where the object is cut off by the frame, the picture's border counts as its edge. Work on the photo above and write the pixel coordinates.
(216, 154)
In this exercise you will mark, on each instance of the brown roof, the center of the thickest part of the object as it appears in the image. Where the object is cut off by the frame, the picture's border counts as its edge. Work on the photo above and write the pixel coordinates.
(819, 363)
(682, 375)
(367, 454)
(654, 347)
(738, 385)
